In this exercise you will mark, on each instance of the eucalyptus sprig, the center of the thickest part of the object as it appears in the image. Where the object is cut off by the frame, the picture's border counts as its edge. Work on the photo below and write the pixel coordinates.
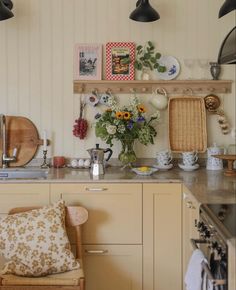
(148, 58)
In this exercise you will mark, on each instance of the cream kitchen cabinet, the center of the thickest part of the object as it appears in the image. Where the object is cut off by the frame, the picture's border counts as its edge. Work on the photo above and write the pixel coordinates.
(18, 195)
(112, 237)
(162, 236)
(190, 213)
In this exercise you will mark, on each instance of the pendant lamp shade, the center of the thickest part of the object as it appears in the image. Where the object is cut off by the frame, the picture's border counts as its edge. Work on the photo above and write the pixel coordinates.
(5, 12)
(228, 6)
(144, 12)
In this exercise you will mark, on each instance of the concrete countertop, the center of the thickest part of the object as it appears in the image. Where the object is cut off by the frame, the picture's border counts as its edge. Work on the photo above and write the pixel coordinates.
(207, 186)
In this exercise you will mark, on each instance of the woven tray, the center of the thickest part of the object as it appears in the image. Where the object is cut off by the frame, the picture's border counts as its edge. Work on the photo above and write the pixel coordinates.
(187, 124)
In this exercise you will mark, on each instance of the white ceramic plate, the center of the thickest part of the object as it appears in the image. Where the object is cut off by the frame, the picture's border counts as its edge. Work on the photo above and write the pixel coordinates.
(163, 167)
(172, 68)
(150, 171)
(188, 168)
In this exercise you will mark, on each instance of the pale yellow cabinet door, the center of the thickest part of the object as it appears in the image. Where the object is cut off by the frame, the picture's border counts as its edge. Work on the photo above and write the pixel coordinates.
(190, 219)
(18, 195)
(162, 236)
(113, 267)
(115, 210)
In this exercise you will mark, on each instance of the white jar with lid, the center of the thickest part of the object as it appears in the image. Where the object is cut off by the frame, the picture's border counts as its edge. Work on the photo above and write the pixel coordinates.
(214, 163)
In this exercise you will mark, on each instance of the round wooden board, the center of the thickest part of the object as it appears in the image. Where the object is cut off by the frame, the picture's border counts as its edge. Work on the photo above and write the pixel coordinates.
(23, 135)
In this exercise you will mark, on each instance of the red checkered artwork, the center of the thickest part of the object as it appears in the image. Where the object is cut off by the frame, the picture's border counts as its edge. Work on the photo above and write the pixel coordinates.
(120, 61)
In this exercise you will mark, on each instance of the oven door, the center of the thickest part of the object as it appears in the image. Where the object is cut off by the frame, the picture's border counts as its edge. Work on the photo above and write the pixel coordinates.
(214, 266)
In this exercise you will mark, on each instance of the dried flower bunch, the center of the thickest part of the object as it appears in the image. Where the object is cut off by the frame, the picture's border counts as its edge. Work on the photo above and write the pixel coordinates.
(128, 122)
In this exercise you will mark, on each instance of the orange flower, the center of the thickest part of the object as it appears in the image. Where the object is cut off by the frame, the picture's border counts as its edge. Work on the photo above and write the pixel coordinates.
(141, 109)
(119, 115)
(126, 115)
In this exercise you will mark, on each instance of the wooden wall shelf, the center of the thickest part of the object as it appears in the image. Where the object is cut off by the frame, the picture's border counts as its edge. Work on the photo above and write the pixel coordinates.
(147, 87)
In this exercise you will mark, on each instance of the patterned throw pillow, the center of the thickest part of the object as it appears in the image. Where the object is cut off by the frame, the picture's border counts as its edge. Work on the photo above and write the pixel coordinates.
(36, 242)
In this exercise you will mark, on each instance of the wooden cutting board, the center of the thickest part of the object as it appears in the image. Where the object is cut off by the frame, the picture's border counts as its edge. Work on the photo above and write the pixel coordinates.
(23, 135)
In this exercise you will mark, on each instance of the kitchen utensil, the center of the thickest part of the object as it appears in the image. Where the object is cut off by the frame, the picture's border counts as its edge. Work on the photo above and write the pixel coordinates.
(164, 158)
(187, 124)
(21, 134)
(97, 159)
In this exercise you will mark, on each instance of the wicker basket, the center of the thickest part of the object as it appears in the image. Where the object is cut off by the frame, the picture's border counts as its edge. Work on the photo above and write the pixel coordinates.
(187, 124)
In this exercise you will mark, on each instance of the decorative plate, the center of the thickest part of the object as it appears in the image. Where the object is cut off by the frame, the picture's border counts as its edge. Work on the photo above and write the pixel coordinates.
(172, 68)
(144, 170)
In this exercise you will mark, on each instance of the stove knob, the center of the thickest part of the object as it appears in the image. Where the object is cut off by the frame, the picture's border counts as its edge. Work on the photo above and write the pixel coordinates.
(219, 250)
(214, 245)
(207, 234)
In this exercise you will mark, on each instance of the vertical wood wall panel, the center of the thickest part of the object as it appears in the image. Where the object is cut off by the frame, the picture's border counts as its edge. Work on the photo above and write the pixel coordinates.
(36, 59)
(35, 56)
(3, 69)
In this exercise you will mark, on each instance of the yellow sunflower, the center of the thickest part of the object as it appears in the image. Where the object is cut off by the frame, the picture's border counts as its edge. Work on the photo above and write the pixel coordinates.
(126, 115)
(141, 109)
(119, 115)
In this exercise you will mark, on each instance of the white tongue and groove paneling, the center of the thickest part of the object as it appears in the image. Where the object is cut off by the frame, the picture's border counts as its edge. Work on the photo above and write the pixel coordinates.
(36, 59)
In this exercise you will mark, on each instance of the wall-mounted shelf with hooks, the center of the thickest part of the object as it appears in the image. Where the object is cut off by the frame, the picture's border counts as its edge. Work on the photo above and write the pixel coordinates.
(147, 87)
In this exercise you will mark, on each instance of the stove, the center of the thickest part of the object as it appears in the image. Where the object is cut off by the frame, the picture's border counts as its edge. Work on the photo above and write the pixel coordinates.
(222, 218)
(216, 226)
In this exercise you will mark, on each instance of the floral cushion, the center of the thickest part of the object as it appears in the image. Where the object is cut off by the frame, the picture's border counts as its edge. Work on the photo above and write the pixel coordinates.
(36, 242)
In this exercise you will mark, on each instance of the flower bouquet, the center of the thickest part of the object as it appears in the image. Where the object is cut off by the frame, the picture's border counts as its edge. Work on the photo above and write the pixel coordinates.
(126, 124)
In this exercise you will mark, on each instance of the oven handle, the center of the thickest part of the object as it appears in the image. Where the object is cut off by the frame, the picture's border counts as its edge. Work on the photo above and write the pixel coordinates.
(205, 266)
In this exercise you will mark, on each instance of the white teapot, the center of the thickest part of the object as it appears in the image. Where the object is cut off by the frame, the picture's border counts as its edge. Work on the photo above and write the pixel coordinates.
(159, 99)
(214, 163)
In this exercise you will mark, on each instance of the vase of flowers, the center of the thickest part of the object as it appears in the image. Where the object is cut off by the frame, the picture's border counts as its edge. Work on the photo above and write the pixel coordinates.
(126, 124)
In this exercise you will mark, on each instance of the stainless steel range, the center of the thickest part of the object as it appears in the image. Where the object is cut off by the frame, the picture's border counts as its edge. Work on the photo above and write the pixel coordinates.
(217, 226)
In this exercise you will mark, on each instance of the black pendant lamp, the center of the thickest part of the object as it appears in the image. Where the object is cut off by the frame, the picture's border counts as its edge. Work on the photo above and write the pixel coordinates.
(5, 9)
(227, 7)
(144, 12)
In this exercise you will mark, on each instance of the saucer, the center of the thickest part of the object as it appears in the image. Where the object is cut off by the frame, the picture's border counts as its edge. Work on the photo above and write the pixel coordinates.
(188, 167)
(163, 167)
(145, 171)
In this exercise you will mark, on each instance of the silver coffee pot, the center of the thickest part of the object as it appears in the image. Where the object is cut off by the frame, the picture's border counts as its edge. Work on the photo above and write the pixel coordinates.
(97, 159)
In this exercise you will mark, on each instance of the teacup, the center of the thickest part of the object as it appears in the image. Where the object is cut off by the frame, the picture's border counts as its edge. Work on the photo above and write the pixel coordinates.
(164, 157)
(189, 158)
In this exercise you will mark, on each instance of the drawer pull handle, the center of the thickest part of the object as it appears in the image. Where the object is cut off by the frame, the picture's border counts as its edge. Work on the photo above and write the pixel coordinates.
(96, 251)
(96, 189)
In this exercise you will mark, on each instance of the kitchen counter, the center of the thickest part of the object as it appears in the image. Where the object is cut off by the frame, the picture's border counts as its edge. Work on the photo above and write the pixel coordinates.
(207, 186)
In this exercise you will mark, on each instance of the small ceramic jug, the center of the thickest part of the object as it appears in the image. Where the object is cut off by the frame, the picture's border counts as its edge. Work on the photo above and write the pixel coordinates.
(214, 163)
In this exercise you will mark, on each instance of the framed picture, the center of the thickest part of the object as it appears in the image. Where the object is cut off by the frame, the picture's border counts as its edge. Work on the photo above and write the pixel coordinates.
(120, 60)
(88, 62)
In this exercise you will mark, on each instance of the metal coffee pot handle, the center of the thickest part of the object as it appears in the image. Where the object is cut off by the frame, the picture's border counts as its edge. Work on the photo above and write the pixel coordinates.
(110, 153)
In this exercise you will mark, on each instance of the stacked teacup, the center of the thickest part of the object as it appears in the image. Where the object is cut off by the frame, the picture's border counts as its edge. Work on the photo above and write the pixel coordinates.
(190, 159)
(164, 159)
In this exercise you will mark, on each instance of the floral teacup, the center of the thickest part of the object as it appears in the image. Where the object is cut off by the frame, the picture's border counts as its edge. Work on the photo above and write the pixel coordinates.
(189, 158)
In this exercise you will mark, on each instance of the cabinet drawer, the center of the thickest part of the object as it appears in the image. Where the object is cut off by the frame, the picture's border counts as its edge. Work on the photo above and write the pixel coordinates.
(115, 211)
(121, 267)
(17, 195)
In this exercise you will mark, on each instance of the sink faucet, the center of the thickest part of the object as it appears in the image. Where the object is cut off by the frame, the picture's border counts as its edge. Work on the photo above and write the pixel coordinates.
(5, 159)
